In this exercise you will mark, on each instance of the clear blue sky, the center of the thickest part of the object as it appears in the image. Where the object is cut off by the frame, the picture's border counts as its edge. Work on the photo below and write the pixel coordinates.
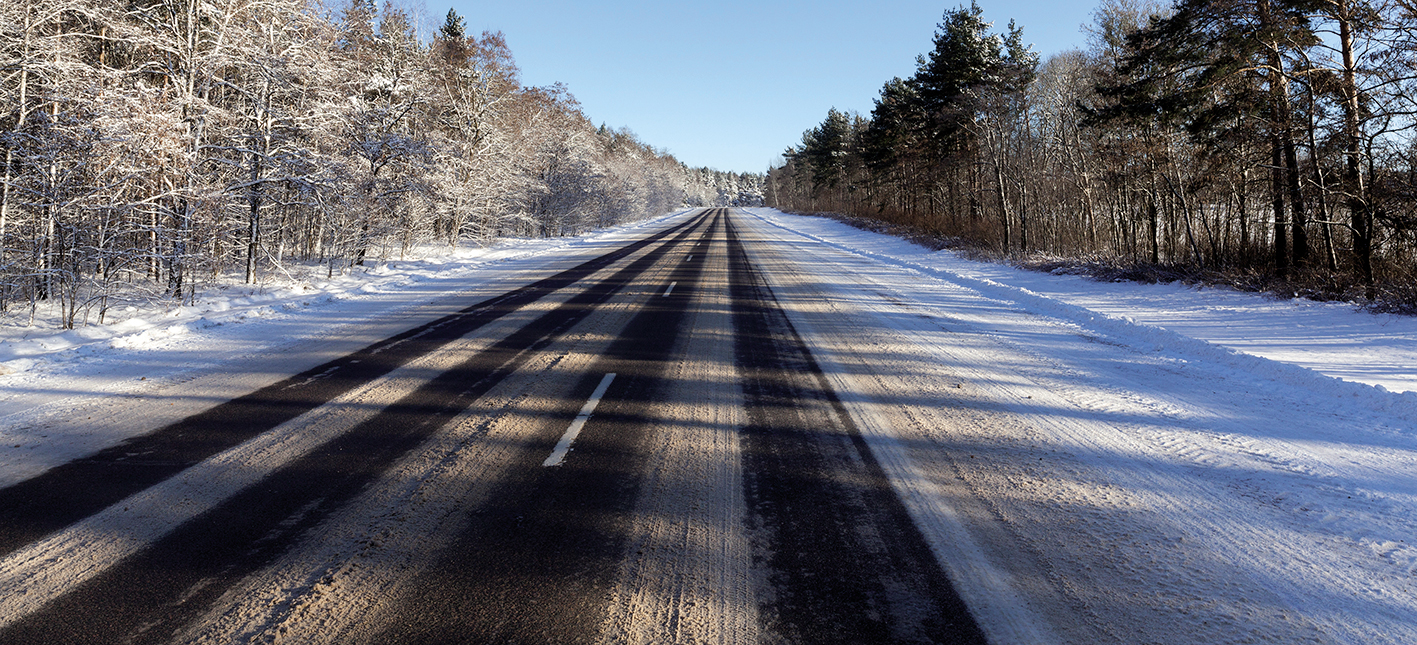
(731, 84)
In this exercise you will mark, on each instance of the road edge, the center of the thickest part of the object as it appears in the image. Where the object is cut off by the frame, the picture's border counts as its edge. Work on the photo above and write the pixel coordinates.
(986, 589)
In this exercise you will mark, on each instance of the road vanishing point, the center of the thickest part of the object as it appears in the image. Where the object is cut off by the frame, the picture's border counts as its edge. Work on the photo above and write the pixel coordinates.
(638, 448)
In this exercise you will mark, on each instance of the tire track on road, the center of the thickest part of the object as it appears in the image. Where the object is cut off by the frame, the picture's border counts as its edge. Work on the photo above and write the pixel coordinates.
(844, 560)
(146, 597)
(539, 561)
(67, 493)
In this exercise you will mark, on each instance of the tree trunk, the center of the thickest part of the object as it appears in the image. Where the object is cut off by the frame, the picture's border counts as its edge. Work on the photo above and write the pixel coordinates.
(1023, 241)
(1298, 218)
(253, 229)
(1277, 184)
(1278, 130)
(1360, 217)
(1321, 184)
(1242, 199)
(1153, 214)
(1003, 205)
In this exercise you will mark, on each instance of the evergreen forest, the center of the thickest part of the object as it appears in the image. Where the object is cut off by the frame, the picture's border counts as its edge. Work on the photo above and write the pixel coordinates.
(1267, 144)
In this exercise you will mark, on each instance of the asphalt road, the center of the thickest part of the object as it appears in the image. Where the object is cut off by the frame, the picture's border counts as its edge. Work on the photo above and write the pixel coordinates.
(638, 449)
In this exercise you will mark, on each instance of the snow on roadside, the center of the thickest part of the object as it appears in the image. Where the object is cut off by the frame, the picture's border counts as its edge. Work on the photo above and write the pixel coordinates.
(1301, 342)
(1285, 339)
(235, 339)
(43, 348)
(1185, 465)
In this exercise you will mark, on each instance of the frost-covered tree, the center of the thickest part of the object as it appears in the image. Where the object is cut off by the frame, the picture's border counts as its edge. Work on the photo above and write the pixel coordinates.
(151, 145)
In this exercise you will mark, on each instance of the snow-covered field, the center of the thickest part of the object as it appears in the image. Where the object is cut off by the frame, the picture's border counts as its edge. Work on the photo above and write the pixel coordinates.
(1093, 462)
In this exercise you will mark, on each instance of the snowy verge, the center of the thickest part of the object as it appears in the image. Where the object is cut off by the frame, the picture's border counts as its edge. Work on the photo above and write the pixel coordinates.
(1207, 320)
(40, 347)
(1137, 463)
(158, 365)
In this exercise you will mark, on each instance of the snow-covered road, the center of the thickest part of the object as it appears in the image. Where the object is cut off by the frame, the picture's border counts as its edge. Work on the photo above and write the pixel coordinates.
(1090, 462)
(1102, 467)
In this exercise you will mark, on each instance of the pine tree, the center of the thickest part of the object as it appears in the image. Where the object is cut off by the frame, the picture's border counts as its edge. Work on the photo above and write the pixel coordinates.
(452, 39)
(1212, 60)
(825, 149)
(965, 58)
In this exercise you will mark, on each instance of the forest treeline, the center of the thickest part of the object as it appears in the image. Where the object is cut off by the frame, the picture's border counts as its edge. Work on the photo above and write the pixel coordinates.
(1269, 142)
(152, 145)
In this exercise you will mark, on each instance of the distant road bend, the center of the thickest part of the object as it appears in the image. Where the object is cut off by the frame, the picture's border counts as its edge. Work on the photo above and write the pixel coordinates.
(640, 448)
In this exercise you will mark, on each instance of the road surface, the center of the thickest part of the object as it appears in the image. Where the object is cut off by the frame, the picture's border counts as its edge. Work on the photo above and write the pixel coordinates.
(639, 448)
(729, 429)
